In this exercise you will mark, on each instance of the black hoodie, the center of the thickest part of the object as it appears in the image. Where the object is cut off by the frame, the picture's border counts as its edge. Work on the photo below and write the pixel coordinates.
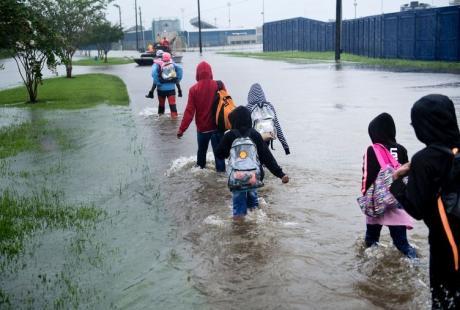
(434, 121)
(381, 130)
(240, 118)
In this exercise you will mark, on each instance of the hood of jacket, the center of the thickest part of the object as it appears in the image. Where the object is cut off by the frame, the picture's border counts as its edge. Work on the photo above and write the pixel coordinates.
(256, 95)
(203, 71)
(382, 129)
(240, 118)
(434, 121)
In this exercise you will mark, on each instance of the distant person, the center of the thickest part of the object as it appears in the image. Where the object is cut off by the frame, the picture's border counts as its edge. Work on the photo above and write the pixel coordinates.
(159, 61)
(247, 152)
(200, 106)
(382, 131)
(264, 117)
(165, 76)
(435, 124)
(164, 42)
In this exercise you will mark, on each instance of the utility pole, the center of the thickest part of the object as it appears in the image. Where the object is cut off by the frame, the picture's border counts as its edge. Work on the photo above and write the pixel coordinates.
(263, 12)
(229, 20)
(142, 28)
(182, 10)
(135, 14)
(121, 27)
(199, 29)
(355, 4)
(338, 29)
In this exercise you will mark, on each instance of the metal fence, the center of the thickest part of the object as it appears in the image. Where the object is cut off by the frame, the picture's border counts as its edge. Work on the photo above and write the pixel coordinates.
(430, 34)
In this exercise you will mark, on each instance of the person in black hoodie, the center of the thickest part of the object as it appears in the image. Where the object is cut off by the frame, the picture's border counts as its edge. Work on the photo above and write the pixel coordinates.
(382, 130)
(435, 123)
(241, 122)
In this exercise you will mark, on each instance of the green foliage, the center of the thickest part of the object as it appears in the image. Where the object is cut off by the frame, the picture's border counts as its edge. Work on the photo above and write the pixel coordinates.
(101, 62)
(82, 91)
(103, 35)
(20, 216)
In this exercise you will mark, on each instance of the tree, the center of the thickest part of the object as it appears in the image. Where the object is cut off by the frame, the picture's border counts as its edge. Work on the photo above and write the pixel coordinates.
(104, 34)
(31, 41)
(72, 20)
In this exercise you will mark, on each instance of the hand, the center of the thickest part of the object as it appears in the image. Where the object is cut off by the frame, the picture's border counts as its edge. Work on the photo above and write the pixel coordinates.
(179, 134)
(401, 171)
(285, 179)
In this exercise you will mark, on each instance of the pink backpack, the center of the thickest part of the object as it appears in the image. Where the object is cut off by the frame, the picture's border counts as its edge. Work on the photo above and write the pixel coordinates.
(378, 197)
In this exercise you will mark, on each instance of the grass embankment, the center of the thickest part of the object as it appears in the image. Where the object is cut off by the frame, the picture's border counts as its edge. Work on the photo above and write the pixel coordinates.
(21, 216)
(81, 91)
(441, 66)
(100, 62)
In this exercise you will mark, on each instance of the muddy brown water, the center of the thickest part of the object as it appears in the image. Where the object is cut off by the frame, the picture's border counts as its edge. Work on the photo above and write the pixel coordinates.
(168, 240)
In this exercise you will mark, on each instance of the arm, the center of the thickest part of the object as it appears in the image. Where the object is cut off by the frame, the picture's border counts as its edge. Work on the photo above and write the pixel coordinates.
(189, 113)
(265, 155)
(280, 133)
(179, 72)
(223, 150)
(155, 75)
(371, 168)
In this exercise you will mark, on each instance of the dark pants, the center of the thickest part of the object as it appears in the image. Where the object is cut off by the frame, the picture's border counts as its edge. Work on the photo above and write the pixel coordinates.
(444, 280)
(398, 234)
(203, 142)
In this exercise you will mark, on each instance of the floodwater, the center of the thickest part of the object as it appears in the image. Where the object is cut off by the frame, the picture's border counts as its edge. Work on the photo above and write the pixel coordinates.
(168, 241)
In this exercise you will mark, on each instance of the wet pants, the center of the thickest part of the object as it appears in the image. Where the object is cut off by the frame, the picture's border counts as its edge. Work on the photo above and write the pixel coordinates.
(398, 234)
(203, 142)
(444, 280)
(171, 101)
(244, 200)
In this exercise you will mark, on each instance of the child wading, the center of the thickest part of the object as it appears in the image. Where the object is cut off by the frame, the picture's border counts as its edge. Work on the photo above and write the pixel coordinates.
(435, 123)
(166, 75)
(382, 131)
(247, 152)
(264, 117)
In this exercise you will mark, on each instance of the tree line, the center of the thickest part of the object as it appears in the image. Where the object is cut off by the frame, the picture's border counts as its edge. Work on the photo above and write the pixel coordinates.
(39, 33)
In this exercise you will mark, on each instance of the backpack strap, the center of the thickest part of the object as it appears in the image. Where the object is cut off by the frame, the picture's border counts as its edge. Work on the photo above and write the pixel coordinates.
(448, 231)
(383, 156)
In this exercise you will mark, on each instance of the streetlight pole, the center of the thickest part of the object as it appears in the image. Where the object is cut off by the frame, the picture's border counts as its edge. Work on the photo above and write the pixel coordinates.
(135, 14)
(338, 30)
(355, 4)
(199, 29)
(121, 27)
(263, 12)
(142, 27)
(229, 20)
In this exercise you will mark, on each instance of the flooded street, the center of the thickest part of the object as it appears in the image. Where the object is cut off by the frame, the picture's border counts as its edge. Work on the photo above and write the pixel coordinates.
(167, 240)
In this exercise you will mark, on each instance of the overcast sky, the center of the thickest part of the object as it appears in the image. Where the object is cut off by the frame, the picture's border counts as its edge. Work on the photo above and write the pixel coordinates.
(247, 13)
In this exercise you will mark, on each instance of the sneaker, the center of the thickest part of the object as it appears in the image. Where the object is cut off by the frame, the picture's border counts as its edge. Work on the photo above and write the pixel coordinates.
(149, 95)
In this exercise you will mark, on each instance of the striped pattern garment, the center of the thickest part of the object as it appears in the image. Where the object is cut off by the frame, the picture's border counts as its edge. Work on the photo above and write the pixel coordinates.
(256, 96)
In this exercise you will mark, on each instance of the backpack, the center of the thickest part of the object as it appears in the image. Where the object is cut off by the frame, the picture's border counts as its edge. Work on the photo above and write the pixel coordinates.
(167, 72)
(244, 171)
(223, 105)
(263, 120)
(378, 197)
(450, 188)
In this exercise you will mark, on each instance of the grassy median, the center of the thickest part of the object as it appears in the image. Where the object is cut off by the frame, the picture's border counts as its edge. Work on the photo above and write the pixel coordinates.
(437, 66)
(81, 91)
(100, 62)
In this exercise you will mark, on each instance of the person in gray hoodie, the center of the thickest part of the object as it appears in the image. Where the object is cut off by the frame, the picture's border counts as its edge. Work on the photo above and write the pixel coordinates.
(256, 97)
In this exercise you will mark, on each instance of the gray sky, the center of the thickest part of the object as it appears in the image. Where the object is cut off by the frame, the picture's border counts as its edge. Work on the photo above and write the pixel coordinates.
(247, 13)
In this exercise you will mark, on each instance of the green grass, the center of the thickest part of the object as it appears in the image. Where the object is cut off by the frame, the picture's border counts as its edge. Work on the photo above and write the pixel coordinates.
(100, 62)
(81, 91)
(28, 136)
(441, 66)
(21, 216)
(4, 54)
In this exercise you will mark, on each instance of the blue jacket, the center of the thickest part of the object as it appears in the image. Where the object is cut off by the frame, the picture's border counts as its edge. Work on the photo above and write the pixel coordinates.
(165, 86)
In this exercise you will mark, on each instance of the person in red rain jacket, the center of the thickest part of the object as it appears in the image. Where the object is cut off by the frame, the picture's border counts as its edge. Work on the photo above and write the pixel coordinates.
(200, 105)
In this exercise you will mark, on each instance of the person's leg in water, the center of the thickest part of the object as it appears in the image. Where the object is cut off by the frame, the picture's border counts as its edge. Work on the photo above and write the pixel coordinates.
(399, 236)
(150, 94)
(172, 105)
(240, 205)
(179, 90)
(253, 200)
(215, 141)
(444, 281)
(372, 234)
(203, 142)
(161, 104)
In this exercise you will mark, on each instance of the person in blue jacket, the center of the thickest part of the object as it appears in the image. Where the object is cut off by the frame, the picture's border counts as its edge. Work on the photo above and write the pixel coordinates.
(165, 76)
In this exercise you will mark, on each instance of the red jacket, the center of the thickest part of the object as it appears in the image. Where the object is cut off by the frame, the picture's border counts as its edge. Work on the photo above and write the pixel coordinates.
(200, 101)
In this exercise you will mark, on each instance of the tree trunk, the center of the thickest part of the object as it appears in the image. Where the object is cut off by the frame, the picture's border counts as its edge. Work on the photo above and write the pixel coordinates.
(68, 69)
(105, 57)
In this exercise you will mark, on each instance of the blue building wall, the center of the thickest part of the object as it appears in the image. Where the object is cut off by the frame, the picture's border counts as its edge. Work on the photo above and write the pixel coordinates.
(215, 37)
(430, 34)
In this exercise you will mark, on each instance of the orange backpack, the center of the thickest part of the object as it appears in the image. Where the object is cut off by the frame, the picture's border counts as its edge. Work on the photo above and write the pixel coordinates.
(223, 105)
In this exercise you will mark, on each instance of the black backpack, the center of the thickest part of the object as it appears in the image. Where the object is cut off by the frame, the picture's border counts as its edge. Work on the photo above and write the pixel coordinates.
(450, 188)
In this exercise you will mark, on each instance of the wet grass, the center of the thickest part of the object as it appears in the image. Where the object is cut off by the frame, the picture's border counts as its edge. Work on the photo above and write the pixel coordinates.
(81, 91)
(21, 216)
(100, 62)
(418, 65)
(29, 136)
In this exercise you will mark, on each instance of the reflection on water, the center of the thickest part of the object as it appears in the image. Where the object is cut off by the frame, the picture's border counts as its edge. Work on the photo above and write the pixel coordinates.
(169, 240)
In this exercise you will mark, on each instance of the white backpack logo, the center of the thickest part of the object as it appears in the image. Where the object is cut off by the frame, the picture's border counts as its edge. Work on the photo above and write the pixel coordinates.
(263, 120)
